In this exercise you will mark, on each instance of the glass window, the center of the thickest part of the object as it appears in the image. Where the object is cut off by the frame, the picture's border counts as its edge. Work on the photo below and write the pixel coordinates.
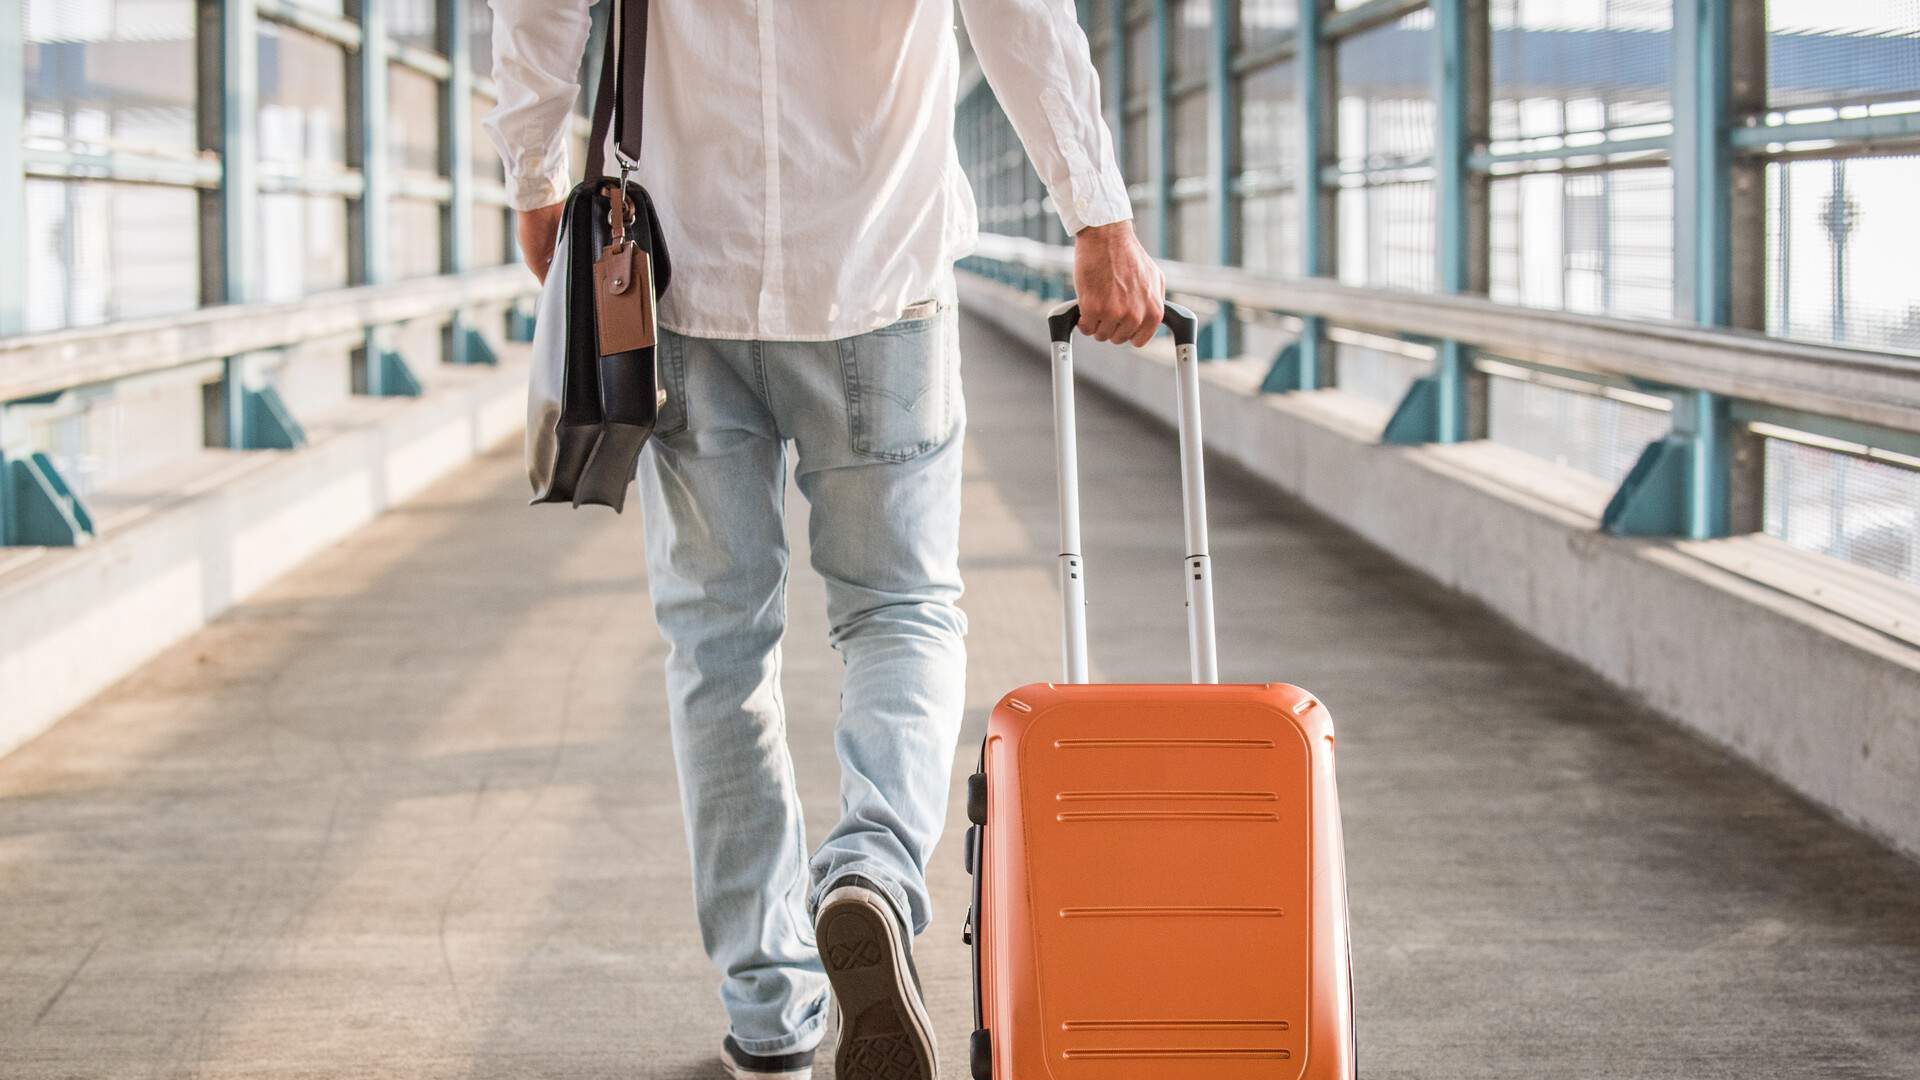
(1387, 235)
(1269, 121)
(413, 239)
(1849, 507)
(1190, 30)
(1386, 110)
(1576, 66)
(415, 23)
(1265, 22)
(490, 236)
(1270, 232)
(100, 251)
(1828, 52)
(1840, 239)
(413, 121)
(1194, 235)
(302, 107)
(309, 248)
(111, 75)
(1600, 242)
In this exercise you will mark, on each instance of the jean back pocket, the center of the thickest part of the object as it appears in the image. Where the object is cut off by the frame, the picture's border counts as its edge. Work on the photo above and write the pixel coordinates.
(900, 386)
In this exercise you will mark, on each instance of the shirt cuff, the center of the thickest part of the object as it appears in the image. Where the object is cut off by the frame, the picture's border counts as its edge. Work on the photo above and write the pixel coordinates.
(1098, 199)
(539, 189)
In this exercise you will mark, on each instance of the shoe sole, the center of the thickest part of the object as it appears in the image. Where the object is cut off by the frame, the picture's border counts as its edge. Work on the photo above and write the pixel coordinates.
(885, 1033)
(739, 1073)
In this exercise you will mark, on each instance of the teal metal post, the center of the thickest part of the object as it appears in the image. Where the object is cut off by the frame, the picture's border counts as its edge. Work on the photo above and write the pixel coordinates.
(13, 168)
(1441, 407)
(465, 343)
(1685, 484)
(367, 218)
(1160, 130)
(1220, 338)
(228, 57)
(1303, 365)
(1117, 47)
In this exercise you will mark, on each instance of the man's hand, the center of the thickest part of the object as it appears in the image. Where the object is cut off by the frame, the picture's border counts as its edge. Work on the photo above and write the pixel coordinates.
(539, 230)
(1121, 291)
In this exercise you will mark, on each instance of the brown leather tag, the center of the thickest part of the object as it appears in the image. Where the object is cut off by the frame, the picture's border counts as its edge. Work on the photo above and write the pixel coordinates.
(623, 298)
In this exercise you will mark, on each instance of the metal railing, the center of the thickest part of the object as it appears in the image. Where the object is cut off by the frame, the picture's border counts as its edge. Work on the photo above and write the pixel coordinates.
(222, 344)
(1853, 396)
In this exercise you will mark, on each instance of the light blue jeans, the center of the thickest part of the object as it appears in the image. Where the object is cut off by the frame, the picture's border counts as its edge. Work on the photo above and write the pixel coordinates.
(875, 422)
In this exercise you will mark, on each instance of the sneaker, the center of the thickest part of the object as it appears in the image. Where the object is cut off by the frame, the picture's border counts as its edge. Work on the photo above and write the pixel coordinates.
(744, 1066)
(885, 1033)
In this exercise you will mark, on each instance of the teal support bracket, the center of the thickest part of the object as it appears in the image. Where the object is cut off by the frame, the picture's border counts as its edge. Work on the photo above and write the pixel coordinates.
(520, 323)
(267, 422)
(1284, 374)
(257, 418)
(1417, 418)
(1219, 337)
(388, 375)
(1679, 485)
(466, 345)
(37, 508)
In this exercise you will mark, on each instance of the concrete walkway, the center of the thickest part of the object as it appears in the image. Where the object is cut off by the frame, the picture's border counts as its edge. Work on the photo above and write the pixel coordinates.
(411, 812)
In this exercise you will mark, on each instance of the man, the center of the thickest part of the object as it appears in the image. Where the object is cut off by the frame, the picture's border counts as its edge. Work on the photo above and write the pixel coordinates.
(803, 162)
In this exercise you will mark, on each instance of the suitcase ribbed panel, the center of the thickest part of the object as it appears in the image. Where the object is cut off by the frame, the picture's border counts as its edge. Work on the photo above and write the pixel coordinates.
(1150, 907)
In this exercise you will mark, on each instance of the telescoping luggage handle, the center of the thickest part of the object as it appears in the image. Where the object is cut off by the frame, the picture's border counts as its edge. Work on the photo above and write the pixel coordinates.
(1196, 567)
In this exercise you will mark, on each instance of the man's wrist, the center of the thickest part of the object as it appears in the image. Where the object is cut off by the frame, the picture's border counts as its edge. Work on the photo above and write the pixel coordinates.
(1107, 233)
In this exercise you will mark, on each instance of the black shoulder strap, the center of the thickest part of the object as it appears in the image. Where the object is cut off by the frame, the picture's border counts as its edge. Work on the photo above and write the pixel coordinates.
(617, 104)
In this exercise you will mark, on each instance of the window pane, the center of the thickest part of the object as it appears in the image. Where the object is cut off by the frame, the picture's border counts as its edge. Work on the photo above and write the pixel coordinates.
(1269, 123)
(415, 23)
(485, 160)
(480, 37)
(1270, 232)
(1840, 241)
(1190, 26)
(111, 75)
(413, 245)
(1263, 22)
(1826, 52)
(1562, 66)
(303, 93)
(413, 121)
(99, 251)
(1591, 242)
(309, 248)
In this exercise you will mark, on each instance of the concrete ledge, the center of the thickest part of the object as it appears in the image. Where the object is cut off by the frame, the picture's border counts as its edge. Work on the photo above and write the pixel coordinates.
(1826, 704)
(73, 620)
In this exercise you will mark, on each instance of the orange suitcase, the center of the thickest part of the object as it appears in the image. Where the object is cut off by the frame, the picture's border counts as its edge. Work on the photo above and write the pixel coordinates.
(1159, 889)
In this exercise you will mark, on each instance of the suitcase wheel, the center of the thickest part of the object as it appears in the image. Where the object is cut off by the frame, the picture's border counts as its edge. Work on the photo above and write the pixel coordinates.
(980, 1055)
(977, 798)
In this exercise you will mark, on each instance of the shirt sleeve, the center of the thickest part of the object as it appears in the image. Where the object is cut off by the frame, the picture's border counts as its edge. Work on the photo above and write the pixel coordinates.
(1035, 57)
(537, 45)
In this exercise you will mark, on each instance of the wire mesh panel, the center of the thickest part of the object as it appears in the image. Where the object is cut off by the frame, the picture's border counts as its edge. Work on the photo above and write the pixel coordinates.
(100, 251)
(1595, 430)
(309, 249)
(1599, 242)
(1376, 368)
(1829, 52)
(1269, 157)
(302, 125)
(110, 76)
(1265, 22)
(1845, 505)
(1566, 67)
(1841, 238)
(1385, 144)
(1387, 235)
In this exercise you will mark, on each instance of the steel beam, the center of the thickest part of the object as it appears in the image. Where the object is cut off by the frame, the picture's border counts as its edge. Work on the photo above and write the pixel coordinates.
(367, 144)
(1220, 338)
(1160, 129)
(1307, 363)
(227, 59)
(13, 181)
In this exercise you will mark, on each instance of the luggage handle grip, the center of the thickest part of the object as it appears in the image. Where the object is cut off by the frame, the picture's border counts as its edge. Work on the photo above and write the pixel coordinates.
(1196, 566)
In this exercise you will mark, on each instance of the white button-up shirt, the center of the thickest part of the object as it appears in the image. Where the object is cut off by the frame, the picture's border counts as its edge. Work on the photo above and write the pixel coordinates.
(801, 154)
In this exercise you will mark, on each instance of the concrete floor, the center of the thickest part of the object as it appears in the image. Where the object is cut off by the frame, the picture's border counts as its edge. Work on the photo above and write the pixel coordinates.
(411, 812)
